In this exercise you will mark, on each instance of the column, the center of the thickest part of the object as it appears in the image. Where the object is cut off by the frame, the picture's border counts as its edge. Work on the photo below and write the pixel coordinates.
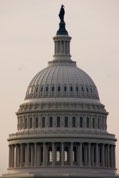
(108, 156)
(28, 124)
(32, 154)
(97, 155)
(35, 156)
(53, 154)
(89, 154)
(21, 155)
(71, 154)
(12, 155)
(86, 155)
(9, 156)
(62, 154)
(33, 122)
(60, 46)
(78, 154)
(106, 153)
(55, 47)
(44, 154)
(111, 156)
(103, 157)
(80, 157)
(68, 47)
(92, 155)
(18, 155)
(114, 159)
(38, 155)
(84, 122)
(65, 47)
(27, 155)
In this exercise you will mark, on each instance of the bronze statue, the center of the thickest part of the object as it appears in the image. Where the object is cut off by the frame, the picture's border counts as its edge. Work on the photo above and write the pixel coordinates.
(61, 13)
(62, 30)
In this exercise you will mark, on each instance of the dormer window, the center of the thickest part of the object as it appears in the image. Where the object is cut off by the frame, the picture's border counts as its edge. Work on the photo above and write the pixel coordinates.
(71, 88)
(77, 89)
(41, 89)
(46, 89)
(82, 88)
(65, 88)
(58, 88)
(36, 89)
(53, 88)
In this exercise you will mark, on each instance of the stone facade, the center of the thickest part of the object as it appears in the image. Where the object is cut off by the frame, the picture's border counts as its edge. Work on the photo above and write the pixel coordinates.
(62, 125)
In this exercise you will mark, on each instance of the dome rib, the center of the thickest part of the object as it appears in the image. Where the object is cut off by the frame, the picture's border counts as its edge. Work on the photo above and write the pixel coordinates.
(61, 76)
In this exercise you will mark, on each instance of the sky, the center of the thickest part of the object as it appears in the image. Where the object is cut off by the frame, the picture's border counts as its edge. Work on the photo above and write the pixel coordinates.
(26, 45)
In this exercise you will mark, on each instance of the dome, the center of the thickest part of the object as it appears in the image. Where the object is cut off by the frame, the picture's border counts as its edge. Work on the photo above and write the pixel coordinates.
(62, 79)
(61, 125)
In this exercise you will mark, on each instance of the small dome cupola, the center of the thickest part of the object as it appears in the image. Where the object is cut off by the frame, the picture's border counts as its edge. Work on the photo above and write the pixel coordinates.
(62, 40)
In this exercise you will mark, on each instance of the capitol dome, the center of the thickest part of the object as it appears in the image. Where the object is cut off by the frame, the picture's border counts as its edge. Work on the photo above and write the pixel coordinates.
(62, 125)
(61, 79)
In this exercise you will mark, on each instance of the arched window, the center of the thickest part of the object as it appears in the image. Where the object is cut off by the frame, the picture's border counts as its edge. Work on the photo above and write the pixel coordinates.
(50, 155)
(81, 122)
(66, 121)
(93, 124)
(98, 123)
(43, 122)
(21, 119)
(66, 154)
(58, 154)
(50, 122)
(73, 122)
(87, 122)
(30, 122)
(58, 121)
(36, 122)
(25, 123)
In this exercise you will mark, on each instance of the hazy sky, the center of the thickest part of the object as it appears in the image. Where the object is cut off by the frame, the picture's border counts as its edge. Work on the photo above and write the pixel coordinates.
(26, 45)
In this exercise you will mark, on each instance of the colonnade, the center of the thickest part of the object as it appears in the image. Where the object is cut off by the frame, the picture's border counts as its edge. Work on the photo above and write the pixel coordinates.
(62, 47)
(61, 154)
